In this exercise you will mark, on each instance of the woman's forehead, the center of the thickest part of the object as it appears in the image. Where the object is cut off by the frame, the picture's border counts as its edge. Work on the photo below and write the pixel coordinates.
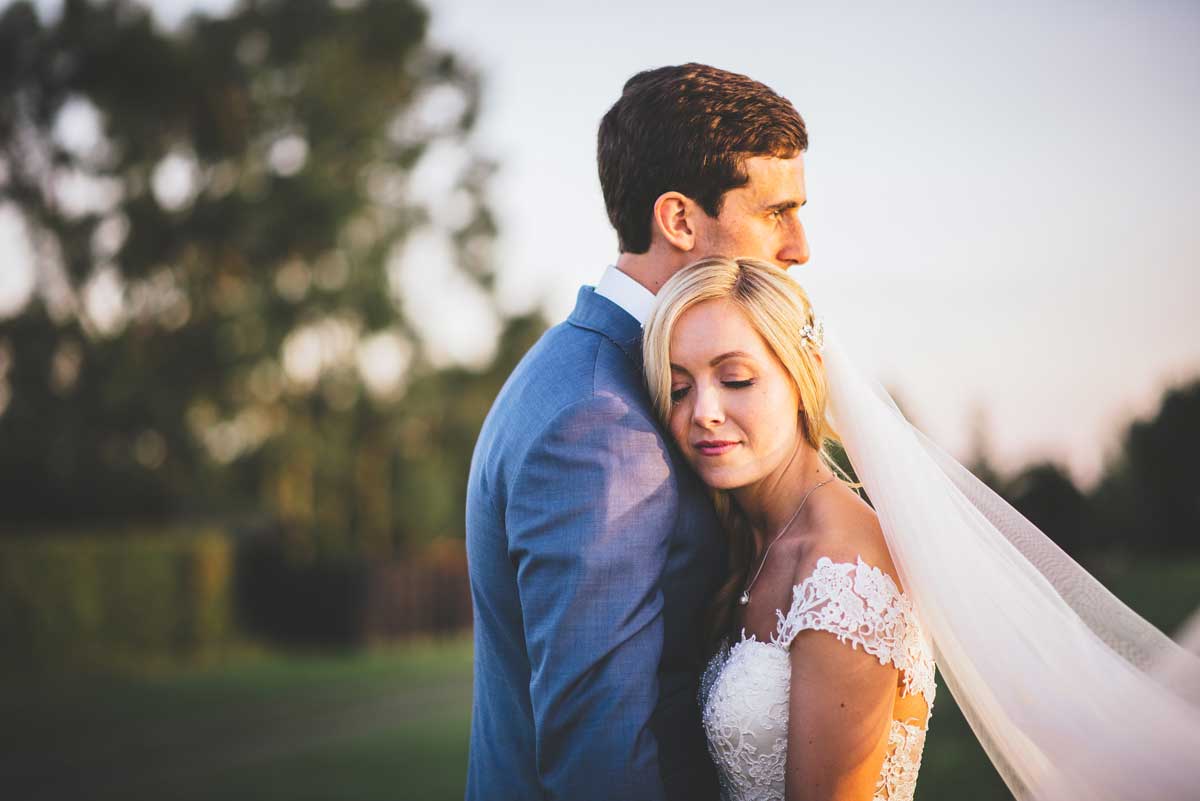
(712, 332)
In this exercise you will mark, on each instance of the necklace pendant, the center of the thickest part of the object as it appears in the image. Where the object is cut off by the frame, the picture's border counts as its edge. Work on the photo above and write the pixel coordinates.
(745, 599)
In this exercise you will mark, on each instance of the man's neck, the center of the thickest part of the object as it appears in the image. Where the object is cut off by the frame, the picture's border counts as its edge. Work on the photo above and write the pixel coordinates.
(649, 269)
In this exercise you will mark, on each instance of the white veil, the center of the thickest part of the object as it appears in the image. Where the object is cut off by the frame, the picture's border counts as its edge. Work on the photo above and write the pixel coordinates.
(1071, 693)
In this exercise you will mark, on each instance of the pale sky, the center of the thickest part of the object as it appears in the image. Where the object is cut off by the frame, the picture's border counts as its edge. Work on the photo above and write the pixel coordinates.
(1003, 198)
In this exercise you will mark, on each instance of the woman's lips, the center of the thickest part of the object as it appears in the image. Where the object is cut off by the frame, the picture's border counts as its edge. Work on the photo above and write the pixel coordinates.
(714, 447)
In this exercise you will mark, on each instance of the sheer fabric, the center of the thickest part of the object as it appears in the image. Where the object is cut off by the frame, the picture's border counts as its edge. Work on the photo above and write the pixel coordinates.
(745, 690)
(1071, 693)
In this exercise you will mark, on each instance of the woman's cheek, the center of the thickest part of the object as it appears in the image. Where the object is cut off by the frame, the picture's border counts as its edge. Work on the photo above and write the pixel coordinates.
(678, 429)
(778, 405)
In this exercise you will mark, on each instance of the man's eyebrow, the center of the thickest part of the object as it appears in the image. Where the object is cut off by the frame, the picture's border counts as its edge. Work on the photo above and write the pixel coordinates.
(786, 205)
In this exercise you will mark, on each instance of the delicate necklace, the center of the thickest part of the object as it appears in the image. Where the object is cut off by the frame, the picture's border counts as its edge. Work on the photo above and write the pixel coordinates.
(745, 599)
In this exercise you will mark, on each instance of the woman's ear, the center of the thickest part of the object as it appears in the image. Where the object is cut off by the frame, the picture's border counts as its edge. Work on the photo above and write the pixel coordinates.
(673, 220)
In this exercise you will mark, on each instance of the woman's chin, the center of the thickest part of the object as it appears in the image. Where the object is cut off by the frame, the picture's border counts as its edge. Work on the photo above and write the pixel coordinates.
(718, 479)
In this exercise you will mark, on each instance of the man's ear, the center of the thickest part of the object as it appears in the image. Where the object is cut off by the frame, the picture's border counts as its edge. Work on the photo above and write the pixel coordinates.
(674, 220)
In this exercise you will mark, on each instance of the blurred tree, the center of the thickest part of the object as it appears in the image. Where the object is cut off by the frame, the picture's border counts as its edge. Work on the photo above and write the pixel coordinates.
(216, 214)
(1045, 494)
(1149, 498)
(979, 458)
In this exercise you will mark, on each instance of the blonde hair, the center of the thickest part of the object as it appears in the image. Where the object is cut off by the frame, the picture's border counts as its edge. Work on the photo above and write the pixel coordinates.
(778, 309)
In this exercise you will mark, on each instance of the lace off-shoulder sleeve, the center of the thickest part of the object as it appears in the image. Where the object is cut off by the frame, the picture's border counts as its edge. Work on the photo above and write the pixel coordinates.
(861, 605)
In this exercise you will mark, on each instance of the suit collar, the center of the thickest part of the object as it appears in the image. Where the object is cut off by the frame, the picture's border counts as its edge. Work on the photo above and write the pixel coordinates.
(598, 313)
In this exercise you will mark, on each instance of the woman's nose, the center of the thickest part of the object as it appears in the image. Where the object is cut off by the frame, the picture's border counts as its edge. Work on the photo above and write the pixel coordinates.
(708, 411)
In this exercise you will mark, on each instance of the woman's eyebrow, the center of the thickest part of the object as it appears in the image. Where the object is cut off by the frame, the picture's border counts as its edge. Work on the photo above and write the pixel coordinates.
(733, 354)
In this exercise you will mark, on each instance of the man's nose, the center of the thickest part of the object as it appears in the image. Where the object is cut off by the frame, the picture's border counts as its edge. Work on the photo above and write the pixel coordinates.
(795, 249)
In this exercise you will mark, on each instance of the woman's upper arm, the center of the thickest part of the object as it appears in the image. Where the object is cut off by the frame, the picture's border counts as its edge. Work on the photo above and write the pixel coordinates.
(842, 697)
(840, 713)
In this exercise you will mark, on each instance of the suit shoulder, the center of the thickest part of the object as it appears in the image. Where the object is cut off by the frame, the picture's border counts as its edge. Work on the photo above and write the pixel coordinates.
(572, 379)
(560, 363)
(569, 365)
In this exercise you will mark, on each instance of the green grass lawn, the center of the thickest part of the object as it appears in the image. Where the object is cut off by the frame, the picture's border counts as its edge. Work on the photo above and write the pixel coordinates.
(385, 724)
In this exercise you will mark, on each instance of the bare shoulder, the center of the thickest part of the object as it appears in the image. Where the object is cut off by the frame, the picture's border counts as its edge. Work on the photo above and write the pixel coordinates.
(844, 528)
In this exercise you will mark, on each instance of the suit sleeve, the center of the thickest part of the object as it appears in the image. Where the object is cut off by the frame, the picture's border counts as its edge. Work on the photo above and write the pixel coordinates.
(588, 522)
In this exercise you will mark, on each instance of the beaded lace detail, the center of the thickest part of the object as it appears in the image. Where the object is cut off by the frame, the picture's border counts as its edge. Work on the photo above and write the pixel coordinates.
(745, 688)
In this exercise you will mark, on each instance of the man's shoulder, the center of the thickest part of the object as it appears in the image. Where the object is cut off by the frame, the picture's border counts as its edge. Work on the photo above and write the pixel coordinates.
(568, 366)
(574, 383)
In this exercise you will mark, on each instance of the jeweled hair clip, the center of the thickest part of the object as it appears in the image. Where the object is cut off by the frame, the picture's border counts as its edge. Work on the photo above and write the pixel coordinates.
(814, 333)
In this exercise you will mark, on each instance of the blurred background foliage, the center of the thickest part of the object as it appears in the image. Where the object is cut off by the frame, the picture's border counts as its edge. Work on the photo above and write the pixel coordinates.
(1146, 503)
(216, 214)
(219, 429)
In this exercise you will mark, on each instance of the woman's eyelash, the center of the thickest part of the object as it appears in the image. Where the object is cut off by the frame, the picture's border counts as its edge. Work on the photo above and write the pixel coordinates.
(679, 394)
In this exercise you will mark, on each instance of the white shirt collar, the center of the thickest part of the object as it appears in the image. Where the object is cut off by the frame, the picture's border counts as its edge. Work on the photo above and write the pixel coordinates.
(626, 293)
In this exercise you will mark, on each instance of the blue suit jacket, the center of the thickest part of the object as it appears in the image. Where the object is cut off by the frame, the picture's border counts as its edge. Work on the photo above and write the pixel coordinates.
(593, 553)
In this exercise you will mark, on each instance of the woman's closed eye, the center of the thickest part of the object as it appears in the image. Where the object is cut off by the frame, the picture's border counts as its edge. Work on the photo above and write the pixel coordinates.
(679, 393)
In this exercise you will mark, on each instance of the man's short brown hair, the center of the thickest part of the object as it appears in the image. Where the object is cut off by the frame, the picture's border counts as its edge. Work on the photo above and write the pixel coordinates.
(687, 129)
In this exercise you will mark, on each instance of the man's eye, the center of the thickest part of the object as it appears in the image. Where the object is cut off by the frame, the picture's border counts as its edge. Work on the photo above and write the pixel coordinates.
(749, 382)
(678, 394)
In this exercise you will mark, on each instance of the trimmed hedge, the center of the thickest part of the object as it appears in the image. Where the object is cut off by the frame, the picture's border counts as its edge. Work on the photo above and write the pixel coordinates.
(299, 603)
(113, 599)
(350, 602)
(89, 598)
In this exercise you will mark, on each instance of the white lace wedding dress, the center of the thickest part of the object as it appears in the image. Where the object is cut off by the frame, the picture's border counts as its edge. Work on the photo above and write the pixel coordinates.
(744, 691)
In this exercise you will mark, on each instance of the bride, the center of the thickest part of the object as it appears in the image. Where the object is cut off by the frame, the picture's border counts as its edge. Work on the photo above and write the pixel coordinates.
(828, 627)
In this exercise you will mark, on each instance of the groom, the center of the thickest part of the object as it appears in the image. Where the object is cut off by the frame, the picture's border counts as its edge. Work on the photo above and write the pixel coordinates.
(593, 550)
